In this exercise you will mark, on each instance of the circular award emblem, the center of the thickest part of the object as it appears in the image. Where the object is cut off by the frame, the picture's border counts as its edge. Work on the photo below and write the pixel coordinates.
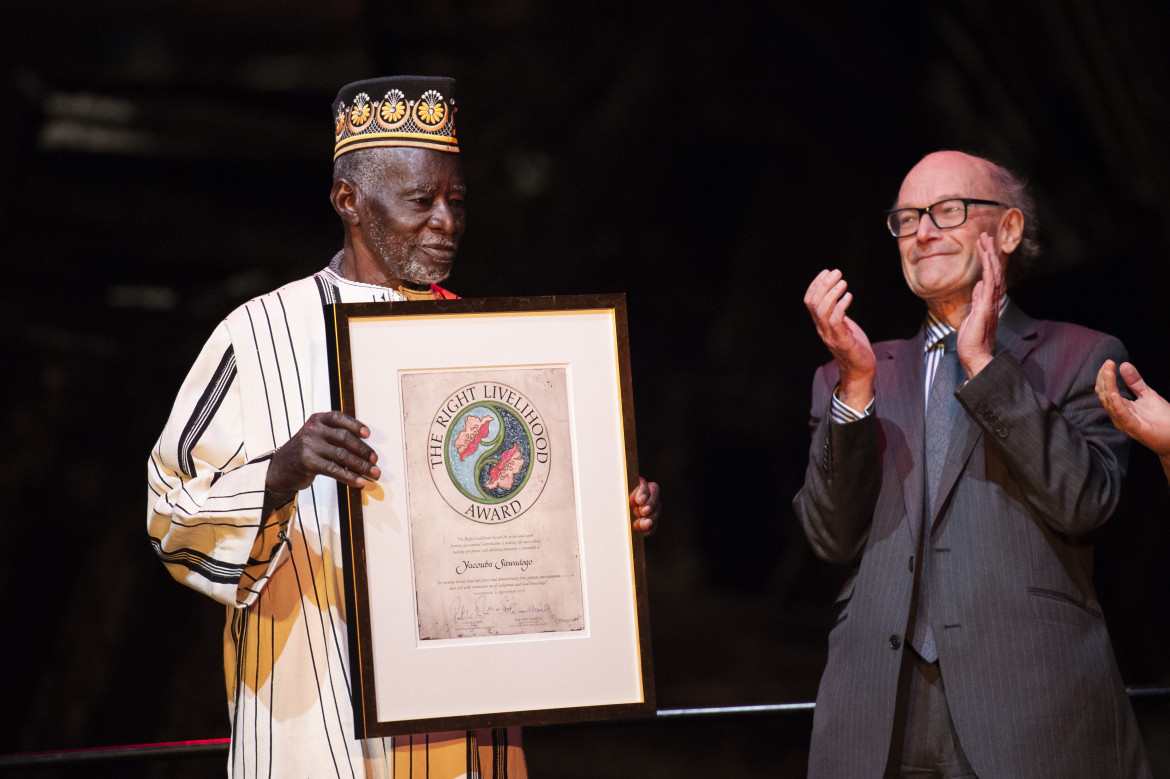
(494, 449)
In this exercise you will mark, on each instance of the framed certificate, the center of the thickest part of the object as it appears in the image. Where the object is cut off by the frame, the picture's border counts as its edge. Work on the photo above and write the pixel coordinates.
(492, 577)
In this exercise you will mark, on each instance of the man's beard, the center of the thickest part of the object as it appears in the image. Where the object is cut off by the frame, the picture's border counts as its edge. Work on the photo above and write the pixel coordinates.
(405, 262)
(417, 271)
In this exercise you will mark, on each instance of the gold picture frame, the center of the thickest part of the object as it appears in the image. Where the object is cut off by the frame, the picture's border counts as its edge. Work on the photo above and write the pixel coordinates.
(492, 577)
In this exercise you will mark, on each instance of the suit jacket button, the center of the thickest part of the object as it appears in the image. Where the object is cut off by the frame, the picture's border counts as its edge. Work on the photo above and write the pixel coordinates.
(911, 564)
(895, 642)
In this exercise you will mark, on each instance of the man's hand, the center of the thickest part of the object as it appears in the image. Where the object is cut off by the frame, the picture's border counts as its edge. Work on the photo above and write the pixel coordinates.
(976, 340)
(1146, 419)
(329, 443)
(827, 301)
(645, 506)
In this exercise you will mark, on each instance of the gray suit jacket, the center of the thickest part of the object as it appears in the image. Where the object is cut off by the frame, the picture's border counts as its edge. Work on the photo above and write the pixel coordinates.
(1033, 468)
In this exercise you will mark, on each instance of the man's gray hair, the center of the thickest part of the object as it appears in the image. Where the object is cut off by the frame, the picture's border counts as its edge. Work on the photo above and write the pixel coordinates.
(363, 168)
(1013, 190)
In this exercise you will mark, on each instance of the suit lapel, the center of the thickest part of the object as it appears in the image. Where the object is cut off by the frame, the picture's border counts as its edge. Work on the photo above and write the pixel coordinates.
(1015, 334)
(965, 434)
(898, 388)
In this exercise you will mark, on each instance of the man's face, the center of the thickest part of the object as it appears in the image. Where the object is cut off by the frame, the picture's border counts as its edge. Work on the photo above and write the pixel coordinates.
(944, 264)
(412, 220)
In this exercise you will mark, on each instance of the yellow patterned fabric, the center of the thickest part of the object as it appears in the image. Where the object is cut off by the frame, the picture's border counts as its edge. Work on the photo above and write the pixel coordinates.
(462, 754)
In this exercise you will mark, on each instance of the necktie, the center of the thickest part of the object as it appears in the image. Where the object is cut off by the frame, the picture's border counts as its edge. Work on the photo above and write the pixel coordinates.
(942, 412)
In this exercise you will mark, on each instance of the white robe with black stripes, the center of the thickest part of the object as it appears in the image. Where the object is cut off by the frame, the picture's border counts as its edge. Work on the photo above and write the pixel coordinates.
(262, 373)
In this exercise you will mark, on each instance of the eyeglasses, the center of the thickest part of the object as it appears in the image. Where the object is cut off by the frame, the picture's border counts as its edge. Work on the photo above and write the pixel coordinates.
(945, 214)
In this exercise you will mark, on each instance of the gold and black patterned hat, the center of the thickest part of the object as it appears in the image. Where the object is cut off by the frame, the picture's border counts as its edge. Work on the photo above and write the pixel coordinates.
(395, 111)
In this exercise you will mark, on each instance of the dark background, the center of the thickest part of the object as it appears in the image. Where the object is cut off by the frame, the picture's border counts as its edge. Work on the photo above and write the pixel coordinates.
(159, 167)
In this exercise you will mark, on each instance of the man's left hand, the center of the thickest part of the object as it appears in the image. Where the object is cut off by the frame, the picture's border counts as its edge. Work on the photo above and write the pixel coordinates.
(976, 340)
(645, 507)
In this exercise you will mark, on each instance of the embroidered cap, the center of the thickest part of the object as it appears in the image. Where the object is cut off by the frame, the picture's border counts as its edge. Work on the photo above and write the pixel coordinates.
(395, 111)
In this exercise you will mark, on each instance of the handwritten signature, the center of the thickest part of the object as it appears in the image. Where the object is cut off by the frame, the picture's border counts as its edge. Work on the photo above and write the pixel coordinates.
(481, 608)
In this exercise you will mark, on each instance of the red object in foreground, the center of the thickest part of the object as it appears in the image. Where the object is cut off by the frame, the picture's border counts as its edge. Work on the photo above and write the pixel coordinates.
(128, 751)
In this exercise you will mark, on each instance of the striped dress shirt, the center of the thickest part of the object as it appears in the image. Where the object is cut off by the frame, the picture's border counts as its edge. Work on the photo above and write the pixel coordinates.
(936, 330)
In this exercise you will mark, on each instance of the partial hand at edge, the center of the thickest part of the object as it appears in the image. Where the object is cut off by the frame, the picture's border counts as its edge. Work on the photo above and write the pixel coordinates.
(1146, 419)
(646, 505)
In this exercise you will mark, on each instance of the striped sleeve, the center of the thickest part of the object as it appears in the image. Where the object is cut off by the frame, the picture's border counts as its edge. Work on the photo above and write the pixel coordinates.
(843, 414)
(205, 491)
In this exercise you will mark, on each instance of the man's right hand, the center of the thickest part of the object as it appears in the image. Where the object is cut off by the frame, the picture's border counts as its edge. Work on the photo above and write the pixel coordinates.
(827, 301)
(329, 443)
